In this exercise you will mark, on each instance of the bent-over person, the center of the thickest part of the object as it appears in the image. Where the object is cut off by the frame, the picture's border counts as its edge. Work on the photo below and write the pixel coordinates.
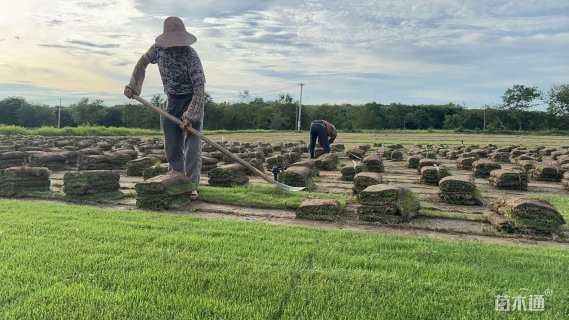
(324, 132)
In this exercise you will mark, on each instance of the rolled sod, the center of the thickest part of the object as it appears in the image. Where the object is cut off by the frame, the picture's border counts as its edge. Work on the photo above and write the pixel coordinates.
(509, 179)
(459, 190)
(23, 181)
(522, 215)
(465, 163)
(348, 173)
(373, 163)
(327, 162)
(482, 168)
(432, 175)
(319, 209)
(413, 162)
(228, 175)
(427, 163)
(396, 155)
(547, 172)
(363, 180)
(84, 183)
(297, 177)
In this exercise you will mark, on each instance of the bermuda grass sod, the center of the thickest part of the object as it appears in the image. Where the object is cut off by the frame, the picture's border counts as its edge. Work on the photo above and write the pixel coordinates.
(265, 196)
(72, 262)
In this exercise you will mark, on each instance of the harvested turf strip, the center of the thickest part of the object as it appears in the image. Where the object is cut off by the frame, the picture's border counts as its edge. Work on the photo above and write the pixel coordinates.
(348, 173)
(228, 175)
(524, 215)
(22, 181)
(381, 202)
(363, 180)
(459, 190)
(297, 177)
(135, 168)
(432, 175)
(547, 172)
(164, 192)
(482, 168)
(328, 162)
(95, 162)
(318, 209)
(509, 179)
(373, 163)
(465, 163)
(413, 162)
(83, 183)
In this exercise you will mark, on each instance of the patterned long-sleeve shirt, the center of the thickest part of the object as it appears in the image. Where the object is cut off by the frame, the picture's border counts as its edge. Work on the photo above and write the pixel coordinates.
(181, 72)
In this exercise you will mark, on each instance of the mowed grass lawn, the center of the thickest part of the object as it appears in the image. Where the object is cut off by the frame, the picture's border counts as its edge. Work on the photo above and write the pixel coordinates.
(62, 261)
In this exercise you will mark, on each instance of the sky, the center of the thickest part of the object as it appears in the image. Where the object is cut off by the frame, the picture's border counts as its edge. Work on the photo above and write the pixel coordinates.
(408, 51)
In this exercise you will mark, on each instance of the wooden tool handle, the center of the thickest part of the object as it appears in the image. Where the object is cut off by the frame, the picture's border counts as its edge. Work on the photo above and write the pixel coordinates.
(206, 139)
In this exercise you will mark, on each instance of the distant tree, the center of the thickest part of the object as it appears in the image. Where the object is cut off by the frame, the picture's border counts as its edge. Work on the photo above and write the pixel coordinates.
(87, 112)
(520, 98)
(9, 109)
(558, 100)
(112, 118)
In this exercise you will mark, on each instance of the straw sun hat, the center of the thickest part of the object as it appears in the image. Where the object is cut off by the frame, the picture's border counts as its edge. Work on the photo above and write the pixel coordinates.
(175, 34)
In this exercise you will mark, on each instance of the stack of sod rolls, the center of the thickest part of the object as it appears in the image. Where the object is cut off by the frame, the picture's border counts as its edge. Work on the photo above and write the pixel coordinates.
(528, 216)
(459, 190)
(373, 163)
(83, 183)
(228, 175)
(297, 177)
(432, 175)
(163, 192)
(509, 179)
(387, 204)
(23, 181)
(482, 168)
(318, 209)
(363, 180)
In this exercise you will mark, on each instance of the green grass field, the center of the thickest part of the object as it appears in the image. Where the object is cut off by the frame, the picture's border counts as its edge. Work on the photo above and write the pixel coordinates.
(62, 261)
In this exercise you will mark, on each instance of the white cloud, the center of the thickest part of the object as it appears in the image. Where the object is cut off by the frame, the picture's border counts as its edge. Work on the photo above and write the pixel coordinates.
(383, 50)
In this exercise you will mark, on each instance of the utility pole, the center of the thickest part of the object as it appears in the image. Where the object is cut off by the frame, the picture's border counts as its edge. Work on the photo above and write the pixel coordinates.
(59, 114)
(299, 108)
(485, 108)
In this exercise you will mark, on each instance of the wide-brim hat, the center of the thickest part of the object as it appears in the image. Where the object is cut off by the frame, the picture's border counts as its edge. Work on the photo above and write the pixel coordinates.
(175, 34)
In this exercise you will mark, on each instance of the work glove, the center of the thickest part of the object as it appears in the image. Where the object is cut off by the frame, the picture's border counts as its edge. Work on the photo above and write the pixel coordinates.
(129, 92)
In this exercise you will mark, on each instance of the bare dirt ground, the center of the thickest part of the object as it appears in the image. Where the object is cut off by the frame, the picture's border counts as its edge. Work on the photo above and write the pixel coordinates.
(459, 222)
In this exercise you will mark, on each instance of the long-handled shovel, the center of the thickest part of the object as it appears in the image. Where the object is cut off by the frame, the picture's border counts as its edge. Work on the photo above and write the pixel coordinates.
(226, 152)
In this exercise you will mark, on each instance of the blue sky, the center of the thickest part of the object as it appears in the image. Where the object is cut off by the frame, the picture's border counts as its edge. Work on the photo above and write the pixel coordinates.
(408, 51)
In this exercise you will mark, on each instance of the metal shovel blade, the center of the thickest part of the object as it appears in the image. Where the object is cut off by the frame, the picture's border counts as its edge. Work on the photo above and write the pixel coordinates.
(287, 188)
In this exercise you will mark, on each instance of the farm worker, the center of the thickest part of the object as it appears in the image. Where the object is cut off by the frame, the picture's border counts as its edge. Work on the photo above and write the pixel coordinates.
(184, 84)
(325, 132)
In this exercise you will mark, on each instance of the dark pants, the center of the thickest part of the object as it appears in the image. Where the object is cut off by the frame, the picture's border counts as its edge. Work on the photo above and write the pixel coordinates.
(183, 150)
(318, 131)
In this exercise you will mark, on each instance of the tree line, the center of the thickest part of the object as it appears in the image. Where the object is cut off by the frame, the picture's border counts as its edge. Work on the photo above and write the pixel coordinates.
(516, 112)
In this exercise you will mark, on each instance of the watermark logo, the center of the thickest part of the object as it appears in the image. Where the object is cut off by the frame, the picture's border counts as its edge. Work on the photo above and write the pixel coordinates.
(522, 302)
